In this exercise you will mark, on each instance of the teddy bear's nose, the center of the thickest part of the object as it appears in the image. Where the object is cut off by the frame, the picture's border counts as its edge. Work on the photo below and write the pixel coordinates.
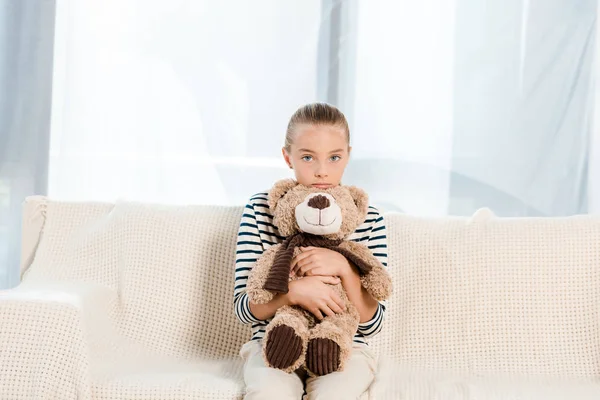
(319, 202)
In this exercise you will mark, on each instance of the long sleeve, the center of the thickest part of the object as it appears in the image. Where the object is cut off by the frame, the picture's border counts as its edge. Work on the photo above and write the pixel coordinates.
(249, 247)
(377, 243)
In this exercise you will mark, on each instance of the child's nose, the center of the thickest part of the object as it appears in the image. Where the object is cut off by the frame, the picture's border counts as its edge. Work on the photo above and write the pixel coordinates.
(321, 172)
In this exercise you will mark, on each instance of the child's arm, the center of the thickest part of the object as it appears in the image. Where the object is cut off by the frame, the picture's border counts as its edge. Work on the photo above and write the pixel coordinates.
(310, 293)
(377, 243)
(249, 247)
(267, 310)
(358, 295)
(322, 262)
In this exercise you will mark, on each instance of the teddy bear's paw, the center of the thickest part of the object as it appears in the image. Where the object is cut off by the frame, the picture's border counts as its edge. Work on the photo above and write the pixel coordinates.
(323, 356)
(259, 296)
(283, 348)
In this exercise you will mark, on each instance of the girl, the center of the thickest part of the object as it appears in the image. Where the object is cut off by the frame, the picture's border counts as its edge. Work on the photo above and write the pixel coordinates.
(317, 148)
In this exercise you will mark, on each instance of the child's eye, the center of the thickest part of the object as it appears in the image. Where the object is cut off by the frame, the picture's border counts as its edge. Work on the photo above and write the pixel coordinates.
(335, 158)
(307, 158)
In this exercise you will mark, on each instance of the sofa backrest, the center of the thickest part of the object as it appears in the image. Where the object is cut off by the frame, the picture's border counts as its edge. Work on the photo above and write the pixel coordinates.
(171, 268)
(485, 294)
(494, 295)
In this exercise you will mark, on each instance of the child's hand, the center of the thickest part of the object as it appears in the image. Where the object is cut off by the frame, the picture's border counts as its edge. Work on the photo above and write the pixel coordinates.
(319, 261)
(314, 295)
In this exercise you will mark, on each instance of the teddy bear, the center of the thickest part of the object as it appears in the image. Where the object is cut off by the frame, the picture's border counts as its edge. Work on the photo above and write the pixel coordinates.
(308, 216)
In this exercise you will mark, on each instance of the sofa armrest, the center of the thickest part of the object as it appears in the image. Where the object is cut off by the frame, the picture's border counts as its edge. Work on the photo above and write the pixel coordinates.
(46, 335)
(34, 217)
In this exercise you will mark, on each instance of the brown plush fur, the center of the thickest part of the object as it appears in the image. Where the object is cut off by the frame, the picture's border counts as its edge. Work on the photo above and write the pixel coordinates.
(340, 328)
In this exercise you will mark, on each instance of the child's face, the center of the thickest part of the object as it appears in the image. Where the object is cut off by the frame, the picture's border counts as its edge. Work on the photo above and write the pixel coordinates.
(319, 155)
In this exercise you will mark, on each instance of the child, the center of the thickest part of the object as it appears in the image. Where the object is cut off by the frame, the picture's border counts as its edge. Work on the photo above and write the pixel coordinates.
(317, 148)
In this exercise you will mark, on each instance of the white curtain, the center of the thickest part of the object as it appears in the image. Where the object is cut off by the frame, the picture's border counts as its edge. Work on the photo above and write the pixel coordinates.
(179, 101)
(594, 144)
(471, 103)
(524, 86)
(453, 104)
(26, 40)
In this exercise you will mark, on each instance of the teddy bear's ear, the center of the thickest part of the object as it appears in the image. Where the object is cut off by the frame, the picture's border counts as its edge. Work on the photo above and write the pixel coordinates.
(279, 190)
(360, 197)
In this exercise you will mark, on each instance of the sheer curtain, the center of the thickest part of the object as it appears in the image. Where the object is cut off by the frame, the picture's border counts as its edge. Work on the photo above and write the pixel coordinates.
(464, 104)
(594, 149)
(524, 87)
(453, 104)
(26, 41)
(180, 101)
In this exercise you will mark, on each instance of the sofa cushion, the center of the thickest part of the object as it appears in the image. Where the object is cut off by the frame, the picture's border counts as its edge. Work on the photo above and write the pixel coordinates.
(165, 379)
(400, 382)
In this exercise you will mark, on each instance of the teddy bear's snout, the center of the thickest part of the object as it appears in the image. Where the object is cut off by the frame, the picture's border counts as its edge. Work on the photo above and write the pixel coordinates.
(319, 202)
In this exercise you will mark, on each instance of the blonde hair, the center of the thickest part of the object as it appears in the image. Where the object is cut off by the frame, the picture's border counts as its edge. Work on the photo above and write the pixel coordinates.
(316, 114)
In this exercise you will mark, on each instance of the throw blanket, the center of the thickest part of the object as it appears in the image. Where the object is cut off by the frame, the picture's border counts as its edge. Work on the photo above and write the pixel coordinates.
(125, 301)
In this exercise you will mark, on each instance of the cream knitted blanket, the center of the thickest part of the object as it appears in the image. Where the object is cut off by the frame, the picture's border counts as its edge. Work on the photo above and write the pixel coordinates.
(125, 301)
(134, 301)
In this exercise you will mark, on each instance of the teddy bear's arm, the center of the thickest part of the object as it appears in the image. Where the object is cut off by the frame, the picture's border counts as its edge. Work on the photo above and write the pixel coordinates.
(258, 277)
(377, 281)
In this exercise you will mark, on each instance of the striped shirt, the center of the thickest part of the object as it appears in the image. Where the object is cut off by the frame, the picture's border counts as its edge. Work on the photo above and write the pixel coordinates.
(257, 233)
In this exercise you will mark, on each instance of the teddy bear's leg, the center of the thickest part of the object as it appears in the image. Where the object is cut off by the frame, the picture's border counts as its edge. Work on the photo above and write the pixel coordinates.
(377, 281)
(330, 343)
(286, 337)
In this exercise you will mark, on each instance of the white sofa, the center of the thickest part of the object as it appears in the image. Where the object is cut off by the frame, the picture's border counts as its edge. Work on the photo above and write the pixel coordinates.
(134, 301)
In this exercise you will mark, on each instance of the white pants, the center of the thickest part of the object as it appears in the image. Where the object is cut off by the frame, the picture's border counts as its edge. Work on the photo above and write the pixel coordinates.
(264, 383)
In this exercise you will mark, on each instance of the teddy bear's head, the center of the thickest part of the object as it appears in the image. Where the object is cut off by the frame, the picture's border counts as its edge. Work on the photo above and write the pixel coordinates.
(333, 213)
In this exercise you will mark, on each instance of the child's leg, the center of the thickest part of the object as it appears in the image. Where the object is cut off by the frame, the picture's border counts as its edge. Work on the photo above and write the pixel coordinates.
(263, 382)
(351, 383)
